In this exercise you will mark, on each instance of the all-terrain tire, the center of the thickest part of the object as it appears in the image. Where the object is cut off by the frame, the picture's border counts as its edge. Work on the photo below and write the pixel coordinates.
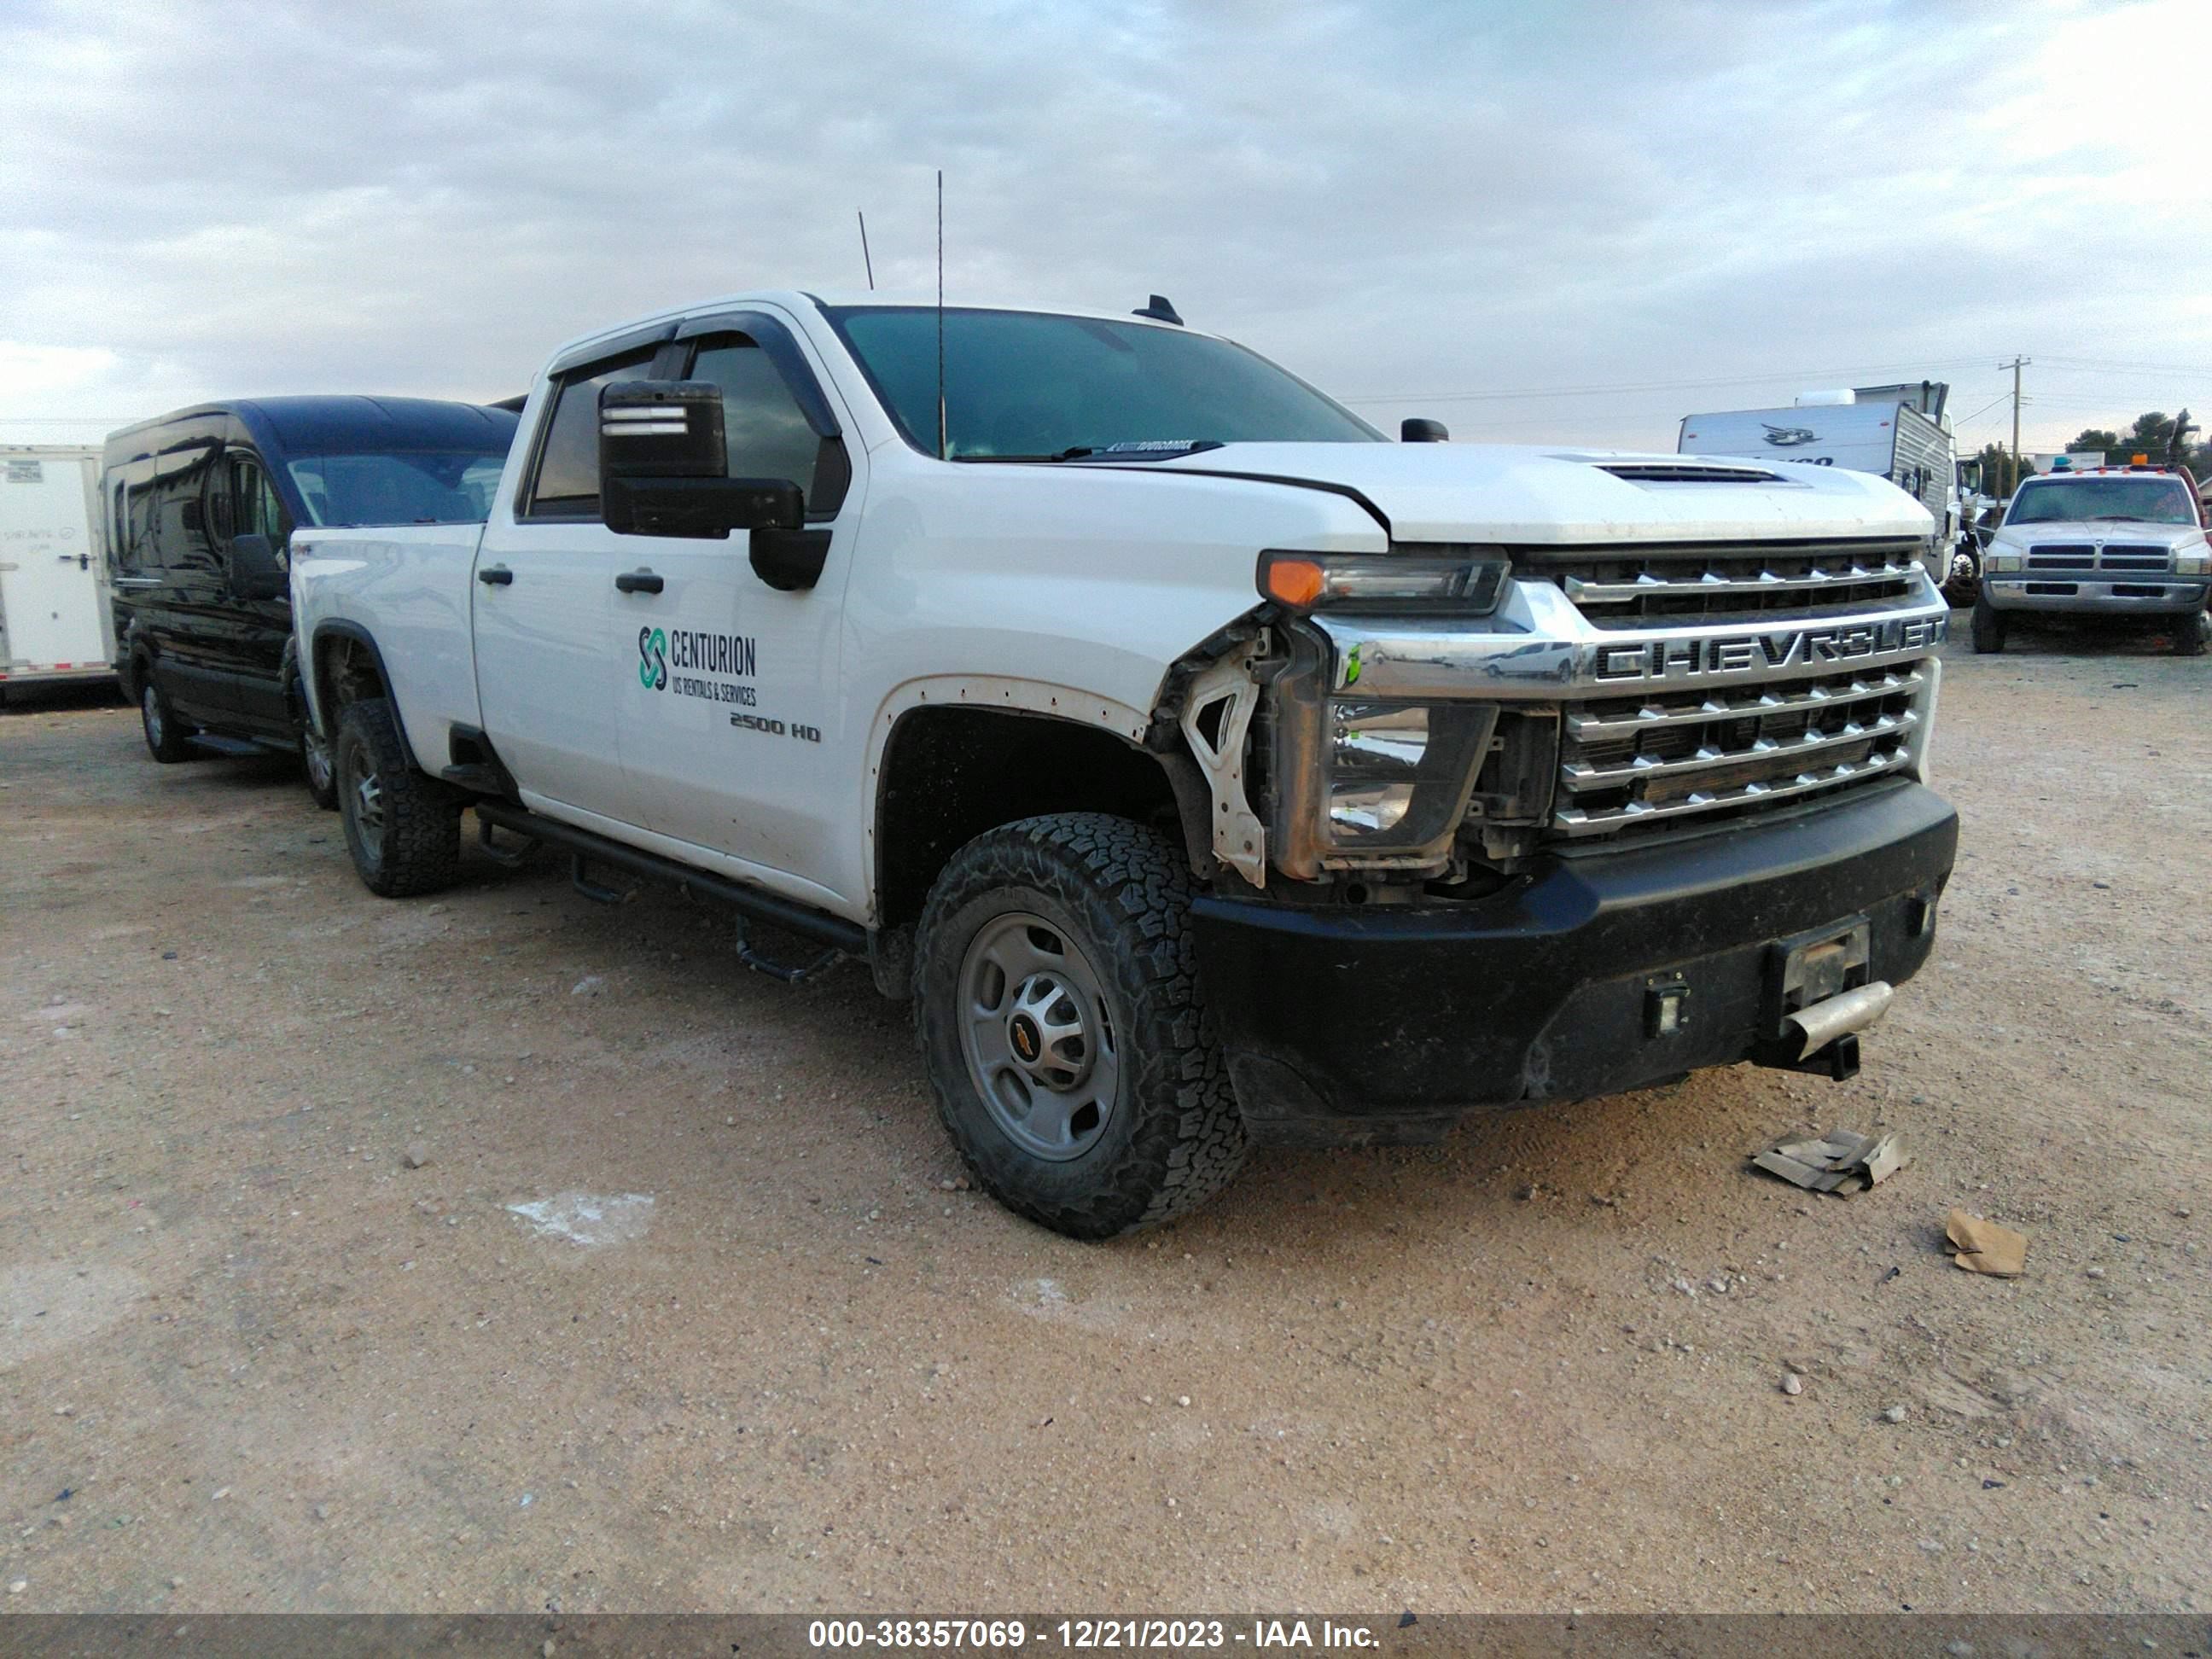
(167, 738)
(1120, 893)
(2188, 634)
(1988, 628)
(319, 762)
(402, 828)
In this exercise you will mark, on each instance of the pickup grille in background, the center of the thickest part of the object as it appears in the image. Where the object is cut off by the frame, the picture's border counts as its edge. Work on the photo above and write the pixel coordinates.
(1667, 756)
(1642, 586)
(2120, 555)
(2117, 555)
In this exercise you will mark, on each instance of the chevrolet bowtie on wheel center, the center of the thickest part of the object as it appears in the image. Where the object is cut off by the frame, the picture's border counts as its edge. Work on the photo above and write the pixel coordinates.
(1208, 768)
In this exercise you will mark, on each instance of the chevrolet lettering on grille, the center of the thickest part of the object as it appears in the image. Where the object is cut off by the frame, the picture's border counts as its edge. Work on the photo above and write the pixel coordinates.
(1766, 653)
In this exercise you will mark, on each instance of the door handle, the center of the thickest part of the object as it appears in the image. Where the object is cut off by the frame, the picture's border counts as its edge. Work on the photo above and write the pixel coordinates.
(495, 575)
(638, 581)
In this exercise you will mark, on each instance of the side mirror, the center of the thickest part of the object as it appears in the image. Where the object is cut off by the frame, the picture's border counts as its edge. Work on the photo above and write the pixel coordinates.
(1420, 429)
(663, 466)
(254, 572)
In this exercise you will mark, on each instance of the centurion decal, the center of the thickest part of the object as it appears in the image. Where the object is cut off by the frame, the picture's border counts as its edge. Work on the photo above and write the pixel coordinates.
(1752, 654)
(675, 659)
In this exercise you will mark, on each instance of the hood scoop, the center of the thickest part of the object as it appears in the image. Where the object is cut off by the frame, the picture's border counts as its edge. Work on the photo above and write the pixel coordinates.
(1687, 472)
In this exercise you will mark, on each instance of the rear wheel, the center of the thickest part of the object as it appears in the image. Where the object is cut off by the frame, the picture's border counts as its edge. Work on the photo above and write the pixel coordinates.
(317, 758)
(403, 828)
(1064, 1029)
(1989, 627)
(166, 740)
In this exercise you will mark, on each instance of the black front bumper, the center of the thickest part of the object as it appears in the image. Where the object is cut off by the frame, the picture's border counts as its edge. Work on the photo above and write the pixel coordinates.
(1349, 1024)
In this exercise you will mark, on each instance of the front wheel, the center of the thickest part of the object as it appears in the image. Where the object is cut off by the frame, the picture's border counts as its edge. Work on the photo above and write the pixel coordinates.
(1064, 1029)
(2188, 634)
(403, 828)
(166, 740)
(1989, 628)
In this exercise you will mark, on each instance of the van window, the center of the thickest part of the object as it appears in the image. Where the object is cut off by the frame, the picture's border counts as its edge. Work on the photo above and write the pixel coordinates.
(180, 527)
(567, 482)
(408, 486)
(764, 432)
(241, 502)
(134, 514)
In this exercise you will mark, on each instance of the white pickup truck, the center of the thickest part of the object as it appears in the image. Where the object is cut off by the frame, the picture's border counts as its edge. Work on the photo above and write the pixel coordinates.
(1209, 769)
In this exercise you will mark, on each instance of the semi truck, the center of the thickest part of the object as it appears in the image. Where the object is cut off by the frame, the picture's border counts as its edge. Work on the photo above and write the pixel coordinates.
(1207, 769)
(56, 625)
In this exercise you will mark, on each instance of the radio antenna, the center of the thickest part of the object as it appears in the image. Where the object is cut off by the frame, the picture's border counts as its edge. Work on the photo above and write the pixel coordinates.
(865, 259)
(941, 453)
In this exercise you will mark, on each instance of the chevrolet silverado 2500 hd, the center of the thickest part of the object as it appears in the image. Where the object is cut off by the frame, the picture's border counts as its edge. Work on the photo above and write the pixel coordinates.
(1207, 768)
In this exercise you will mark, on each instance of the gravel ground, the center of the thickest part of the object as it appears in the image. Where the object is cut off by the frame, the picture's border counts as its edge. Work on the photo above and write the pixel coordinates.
(684, 1307)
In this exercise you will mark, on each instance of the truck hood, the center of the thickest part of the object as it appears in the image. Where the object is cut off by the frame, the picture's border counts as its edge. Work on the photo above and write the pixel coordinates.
(2072, 532)
(1575, 497)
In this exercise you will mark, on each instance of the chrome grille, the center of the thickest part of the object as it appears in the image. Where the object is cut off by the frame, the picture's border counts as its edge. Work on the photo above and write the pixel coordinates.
(1636, 588)
(1662, 756)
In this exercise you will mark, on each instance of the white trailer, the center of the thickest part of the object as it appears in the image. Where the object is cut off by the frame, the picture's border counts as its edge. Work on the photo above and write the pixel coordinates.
(56, 621)
(1874, 430)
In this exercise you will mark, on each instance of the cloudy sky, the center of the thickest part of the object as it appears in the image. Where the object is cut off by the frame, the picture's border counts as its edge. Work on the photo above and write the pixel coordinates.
(1545, 222)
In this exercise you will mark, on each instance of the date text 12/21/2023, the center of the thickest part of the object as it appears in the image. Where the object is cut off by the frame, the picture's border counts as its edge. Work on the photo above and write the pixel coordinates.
(1091, 1634)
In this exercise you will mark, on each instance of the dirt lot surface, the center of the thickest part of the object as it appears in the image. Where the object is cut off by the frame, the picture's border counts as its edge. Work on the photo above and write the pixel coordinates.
(681, 1312)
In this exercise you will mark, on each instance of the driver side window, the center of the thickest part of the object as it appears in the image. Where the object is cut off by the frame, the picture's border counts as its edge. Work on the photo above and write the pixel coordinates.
(241, 502)
(766, 434)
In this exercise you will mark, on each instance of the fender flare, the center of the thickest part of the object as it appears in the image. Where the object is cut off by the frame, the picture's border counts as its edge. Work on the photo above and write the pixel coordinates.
(1005, 693)
(339, 628)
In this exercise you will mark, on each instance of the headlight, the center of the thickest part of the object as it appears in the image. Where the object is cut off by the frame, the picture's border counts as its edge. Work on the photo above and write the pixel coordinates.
(2197, 562)
(2001, 557)
(1459, 581)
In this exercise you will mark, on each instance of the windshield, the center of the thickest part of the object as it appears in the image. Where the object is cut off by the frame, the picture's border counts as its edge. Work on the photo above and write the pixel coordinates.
(430, 486)
(1031, 386)
(2080, 501)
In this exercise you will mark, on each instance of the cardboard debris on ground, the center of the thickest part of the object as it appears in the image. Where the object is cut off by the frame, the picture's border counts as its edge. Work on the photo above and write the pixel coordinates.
(1982, 1247)
(1842, 1161)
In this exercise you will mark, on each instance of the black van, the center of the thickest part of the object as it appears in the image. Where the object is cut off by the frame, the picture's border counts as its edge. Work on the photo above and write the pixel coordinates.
(199, 505)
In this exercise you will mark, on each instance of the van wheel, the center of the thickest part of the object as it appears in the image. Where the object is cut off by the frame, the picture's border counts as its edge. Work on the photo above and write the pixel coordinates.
(2188, 634)
(166, 740)
(1061, 1022)
(1989, 628)
(403, 828)
(318, 760)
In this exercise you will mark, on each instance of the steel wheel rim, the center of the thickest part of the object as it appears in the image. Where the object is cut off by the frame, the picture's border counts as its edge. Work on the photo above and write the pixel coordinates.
(315, 755)
(149, 710)
(1038, 1037)
(365, 794)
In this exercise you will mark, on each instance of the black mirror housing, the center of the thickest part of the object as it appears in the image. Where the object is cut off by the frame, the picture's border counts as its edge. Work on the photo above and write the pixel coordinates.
(252, 569)
(709, 508)
(663, 466)
(1420, 429)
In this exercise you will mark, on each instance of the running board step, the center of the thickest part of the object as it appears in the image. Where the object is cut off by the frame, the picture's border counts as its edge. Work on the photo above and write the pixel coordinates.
(755, 903)
(230, 745)
(580, 878)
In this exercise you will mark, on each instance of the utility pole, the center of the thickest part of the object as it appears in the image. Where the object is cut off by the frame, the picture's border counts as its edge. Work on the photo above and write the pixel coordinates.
(2015, 366)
